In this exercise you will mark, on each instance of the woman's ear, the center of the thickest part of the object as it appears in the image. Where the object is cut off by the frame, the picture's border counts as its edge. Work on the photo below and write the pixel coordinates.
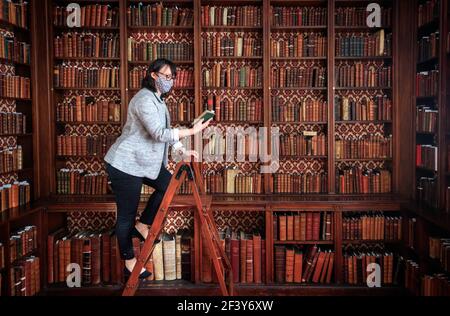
(154, 75)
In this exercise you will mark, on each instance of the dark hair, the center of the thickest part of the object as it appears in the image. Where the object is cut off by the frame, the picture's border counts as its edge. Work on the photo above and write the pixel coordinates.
(155, 66)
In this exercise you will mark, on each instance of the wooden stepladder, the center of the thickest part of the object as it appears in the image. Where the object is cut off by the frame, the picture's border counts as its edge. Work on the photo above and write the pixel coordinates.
(221, 262)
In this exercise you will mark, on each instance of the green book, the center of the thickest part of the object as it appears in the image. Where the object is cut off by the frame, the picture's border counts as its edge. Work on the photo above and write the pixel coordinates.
(205, 116)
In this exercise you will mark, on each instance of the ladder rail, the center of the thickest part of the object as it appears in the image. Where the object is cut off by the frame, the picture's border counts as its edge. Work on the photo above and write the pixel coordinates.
(221, 262)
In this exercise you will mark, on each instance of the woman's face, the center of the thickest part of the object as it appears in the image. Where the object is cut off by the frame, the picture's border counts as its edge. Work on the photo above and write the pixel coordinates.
(165, 72)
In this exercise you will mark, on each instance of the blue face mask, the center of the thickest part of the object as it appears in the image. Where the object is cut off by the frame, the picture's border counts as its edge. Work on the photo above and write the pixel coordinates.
(163, 84)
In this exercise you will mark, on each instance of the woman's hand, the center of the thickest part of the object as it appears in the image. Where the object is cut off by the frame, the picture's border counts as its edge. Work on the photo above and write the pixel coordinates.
(189, 154)
(199, 126)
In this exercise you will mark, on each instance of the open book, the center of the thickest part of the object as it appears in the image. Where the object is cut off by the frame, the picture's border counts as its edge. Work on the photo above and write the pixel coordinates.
(205, 116)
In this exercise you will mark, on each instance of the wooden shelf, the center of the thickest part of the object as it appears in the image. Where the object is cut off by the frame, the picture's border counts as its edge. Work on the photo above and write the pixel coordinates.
(147, 62)
(364, 122)
(15, 63)
(173, 28)
(183, 288)
(306, 242)
(82, 88)
(4, 23)
(88, 58)
(88, 123)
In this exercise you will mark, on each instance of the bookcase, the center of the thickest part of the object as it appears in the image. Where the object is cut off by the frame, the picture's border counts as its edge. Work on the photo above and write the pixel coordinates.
(336, 90)
(18, 173)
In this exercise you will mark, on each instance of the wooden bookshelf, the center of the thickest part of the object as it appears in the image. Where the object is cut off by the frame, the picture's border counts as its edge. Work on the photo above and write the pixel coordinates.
(257, 208)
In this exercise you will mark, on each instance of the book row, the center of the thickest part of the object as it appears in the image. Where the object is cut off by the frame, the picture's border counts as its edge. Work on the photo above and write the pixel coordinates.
(234, 110)
(159, 15)
(11, 159)
(234, 44)
(303, 265)
(428, 47)
(232, 76)
(358, 180)
(93, 15)
(76, 76)
(87, 109)
(15, 87)
(81, 182)
(298, 77)
(426, 191)
(427, 83)
(299, 45)
(428, 12)
(439, 249)
(305, 183)
(303, 145)
(15, 194)
(96, 145)
(363, 147)
(231, 16)
(12, 123)
(361, 75)
(14, 12)
(363, 44)
(142, 50)
(298, 16)
(366, 108)
(23, 242)
(372, 227)
(426, 119)
(13, 50)
(86, 45)
(306, 226)
(357, 16)
(307, 109)
(427, 157)
(26, 277)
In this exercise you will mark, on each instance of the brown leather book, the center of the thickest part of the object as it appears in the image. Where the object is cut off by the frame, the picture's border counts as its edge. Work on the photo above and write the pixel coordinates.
(243, 257)
(316, 226)
(323, 273)
(96, 258)
(106, 255)
(290, 227)
(263, 260)
(330, 268)
(318, 267)
(309, 262)
(302, 226)
(257, 258)
(282, 220)
(235, 252)
(52, 257)
(275, 227)
(297, 228)
(298, 266)
(309, 226)
(290, 253)
(280, 263)
(249, 259)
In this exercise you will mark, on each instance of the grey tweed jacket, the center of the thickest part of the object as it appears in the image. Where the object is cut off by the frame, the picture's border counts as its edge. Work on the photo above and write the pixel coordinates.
(143, 146)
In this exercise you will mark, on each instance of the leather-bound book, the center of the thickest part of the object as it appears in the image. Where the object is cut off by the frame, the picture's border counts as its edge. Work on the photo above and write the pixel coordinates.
(52, 255)
(323, 273)
(318, 267)
(96, 258)
(235, 252)
(316, 226)
(282, 220)
(106, 256)
(280, 263)
(87, 259)
(158, 261)
(298, 266)
(186, 255)
(289, 265)
(275, 227)
(243, 257)
(302, 226)
(330, 268)
(309, 226)
(257, 258)
(169, 257)
(178, 255)
(290, 227)
(297, 228)
(309, 262)
(113, 245)
(263, 260)
(249, 259)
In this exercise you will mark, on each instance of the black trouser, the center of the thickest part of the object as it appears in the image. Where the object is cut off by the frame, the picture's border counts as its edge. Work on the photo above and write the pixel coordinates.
(127, 191)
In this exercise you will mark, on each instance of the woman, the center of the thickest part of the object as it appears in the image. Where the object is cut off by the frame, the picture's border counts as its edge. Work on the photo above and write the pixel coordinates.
(139, 156)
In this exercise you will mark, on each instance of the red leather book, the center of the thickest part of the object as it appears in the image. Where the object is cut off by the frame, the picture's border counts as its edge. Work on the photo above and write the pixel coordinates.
(318, 267)
(330, 268)
(298, 266)
(323, 273)
(309, 226)
(257, 258)
(280, 263)
(316, 226)
(290, 227)
(235, 262)
(243, 258)
(249, 259)
(289, 265)
(52, 255)
(282, 220)
(263, 260)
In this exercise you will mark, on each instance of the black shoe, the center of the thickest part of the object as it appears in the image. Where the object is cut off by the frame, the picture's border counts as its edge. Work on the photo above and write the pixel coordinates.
(136, 233)
(143, 275)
